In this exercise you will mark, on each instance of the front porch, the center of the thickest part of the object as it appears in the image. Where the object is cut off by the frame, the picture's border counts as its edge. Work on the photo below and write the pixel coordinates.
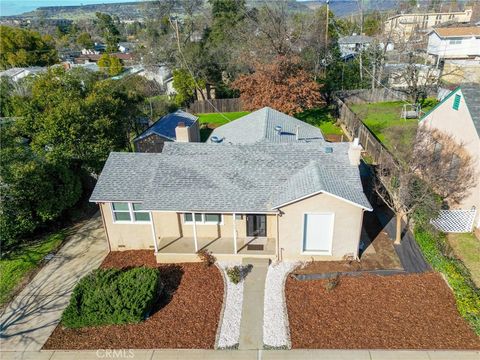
(183, 249)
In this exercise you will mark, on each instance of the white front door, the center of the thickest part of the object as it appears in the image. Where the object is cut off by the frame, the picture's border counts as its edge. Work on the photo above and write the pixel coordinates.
(318, 233)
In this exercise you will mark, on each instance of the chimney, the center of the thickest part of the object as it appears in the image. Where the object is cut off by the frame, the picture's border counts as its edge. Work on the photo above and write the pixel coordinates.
(354, 152)
(181, 132)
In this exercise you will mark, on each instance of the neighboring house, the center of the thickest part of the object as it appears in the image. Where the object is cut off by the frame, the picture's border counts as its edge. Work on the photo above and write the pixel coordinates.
(351, 45)
(457, 51)
(161, 74)
(274, 195)
(399, 77)
(458, 115)
(88, 58)
(177, 126)
(403, 27)
(125, 47)
(16, 74)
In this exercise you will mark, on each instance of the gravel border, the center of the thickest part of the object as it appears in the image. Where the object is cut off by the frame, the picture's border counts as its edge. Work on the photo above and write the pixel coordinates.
(276, 334)
(229, 332)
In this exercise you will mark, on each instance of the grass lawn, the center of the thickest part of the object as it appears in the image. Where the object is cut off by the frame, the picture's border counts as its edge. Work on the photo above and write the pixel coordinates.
(16, 266)
(322, 118)
(214, 118)
(467, 248)
(385, 121)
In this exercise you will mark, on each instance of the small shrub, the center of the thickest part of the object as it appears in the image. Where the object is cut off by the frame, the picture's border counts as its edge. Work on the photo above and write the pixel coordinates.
(436, 251)
(332, 282)
(234, 274)
(206, 257)
(113, 296)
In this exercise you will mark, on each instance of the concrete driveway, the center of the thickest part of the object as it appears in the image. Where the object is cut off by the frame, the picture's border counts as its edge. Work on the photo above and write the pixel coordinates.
(30, 318)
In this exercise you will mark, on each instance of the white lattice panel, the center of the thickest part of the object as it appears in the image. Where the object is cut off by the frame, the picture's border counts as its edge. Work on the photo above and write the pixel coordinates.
(455, 221)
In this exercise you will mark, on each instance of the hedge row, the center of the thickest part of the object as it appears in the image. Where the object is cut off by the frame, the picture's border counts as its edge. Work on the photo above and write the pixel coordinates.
(436, 250)
(113, 296)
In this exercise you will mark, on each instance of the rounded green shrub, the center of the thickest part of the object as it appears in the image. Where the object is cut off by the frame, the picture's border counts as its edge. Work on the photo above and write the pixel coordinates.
(113, 296)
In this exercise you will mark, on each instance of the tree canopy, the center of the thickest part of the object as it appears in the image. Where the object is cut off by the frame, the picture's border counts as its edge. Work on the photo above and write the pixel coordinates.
(21, 47)
(283, 85)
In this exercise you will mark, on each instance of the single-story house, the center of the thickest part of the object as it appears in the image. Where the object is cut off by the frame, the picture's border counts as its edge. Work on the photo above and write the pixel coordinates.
(351, 45)
(18, 73)
(284, 194)
(177, 126)
(458, 115)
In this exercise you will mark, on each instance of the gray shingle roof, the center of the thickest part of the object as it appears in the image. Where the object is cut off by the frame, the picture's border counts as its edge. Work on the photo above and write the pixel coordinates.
(240, 178)
(471, 93)
(166, 125)
(259, 127)
(355, 39)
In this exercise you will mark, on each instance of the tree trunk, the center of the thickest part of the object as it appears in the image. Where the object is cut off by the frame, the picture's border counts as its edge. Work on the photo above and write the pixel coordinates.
(398, 232)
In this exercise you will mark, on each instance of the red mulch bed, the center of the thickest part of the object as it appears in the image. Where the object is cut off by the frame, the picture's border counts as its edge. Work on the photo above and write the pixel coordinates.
(414, 311)
(186, 318)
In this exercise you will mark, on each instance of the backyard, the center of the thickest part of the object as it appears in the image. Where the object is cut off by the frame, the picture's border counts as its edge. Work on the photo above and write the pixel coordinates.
(185, 316)
(319, 117)
(385, 121)
(414, 311)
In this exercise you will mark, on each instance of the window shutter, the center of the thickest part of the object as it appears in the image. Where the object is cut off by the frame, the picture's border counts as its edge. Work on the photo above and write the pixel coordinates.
(456, 102)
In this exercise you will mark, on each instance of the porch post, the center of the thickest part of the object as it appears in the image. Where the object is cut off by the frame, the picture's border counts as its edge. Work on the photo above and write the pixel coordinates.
(195, 232)
(234, 233)
(153, 233)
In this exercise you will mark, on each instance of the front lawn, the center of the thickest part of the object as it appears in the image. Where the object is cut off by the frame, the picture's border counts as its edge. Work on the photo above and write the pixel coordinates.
(384, 119)
(467, 248)
(15, 267)
(185, 315)
(414, 311)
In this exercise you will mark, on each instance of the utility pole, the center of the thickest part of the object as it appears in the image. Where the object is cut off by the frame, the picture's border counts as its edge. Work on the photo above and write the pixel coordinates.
(326, 27)
(361, 33)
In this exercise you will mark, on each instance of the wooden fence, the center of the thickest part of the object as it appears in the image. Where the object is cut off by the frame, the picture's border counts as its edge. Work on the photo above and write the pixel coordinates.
(368, 95)
(355, 128)
(214, 105)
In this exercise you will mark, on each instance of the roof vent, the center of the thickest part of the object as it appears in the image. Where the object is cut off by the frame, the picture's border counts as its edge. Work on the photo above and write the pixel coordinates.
(215, 139)
(278, 129)
(328, 150)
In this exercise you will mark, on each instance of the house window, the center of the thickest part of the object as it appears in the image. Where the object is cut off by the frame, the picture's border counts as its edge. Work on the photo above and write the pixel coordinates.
(456, 102)
(129, 212)
(454, 167)
(455, 42)
(203, 219)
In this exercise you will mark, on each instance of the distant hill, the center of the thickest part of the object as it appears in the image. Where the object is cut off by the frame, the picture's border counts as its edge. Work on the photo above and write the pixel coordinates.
(136, 10)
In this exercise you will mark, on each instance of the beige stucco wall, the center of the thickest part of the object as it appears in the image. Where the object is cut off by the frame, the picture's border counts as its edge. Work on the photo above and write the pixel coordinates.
(459, 124)
(346, 228)
(126, 236)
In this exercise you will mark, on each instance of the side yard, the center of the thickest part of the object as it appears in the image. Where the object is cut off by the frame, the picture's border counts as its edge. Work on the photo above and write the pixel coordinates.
(467, 248)
(186, 315)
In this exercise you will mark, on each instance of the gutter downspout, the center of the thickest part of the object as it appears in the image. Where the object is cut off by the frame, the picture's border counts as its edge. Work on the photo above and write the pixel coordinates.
(104, 226)
(153, 233)
(278, 255)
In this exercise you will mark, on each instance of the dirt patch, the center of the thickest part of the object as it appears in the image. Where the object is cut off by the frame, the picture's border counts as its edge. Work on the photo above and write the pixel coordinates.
(415, 311)
(186, 316)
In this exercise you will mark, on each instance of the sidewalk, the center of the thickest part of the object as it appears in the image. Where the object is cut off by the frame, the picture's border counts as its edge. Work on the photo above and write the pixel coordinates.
(244, 355)
(30, 318)
(251, 325)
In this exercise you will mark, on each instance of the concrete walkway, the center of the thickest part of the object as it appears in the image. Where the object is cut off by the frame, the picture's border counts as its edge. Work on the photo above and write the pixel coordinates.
(251, 325)
(30, 318)
(171, 354)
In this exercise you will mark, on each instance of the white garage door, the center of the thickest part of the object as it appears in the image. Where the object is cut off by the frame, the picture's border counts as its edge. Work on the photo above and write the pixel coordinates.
(318, 232)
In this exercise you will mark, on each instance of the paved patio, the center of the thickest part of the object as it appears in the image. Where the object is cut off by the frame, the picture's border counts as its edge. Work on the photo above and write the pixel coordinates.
(30, 318)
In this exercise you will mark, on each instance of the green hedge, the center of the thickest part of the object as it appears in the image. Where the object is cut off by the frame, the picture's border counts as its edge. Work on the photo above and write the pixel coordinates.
(436, 250)
(113, 297)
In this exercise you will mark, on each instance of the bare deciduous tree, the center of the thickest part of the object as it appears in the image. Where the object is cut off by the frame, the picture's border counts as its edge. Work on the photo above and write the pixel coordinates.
(434, 167)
